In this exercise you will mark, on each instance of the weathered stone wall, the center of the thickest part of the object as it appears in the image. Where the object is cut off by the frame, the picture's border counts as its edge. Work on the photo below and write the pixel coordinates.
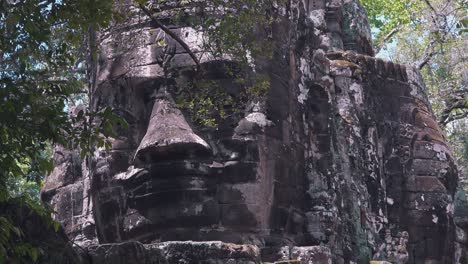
(341, 161)
(412, 177)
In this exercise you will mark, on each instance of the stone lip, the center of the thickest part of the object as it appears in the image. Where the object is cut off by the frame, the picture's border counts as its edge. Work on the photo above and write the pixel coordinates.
(176, 194)
(221, 171)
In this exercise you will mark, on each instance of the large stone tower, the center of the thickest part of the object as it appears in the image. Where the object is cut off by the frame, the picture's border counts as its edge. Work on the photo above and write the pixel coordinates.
(339, 160)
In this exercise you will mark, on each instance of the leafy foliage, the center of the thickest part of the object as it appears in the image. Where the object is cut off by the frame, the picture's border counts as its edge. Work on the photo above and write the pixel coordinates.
(41, 52)
(387, 15)
(42, 69)
(13, 248)
(204, 101)
(244, 31)
(209, 101)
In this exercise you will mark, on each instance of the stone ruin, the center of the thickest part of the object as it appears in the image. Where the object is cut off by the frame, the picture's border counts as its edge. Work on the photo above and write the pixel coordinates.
(339, 161)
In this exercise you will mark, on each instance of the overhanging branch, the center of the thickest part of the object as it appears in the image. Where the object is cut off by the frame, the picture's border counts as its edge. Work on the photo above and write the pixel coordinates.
(457, 103)
(386, 38)
(170, 33)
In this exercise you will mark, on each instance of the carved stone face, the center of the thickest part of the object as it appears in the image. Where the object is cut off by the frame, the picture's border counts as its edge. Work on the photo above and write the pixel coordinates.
(172, 177)
(201, 160)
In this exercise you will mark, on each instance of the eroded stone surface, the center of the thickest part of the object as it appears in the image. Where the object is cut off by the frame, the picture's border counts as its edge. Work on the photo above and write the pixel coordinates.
(214, 252)
(340, 161)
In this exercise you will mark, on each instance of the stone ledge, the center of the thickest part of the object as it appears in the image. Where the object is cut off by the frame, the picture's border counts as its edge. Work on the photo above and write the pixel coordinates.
(210, 252)
(429, 184)
(386, 69)
(304, 255)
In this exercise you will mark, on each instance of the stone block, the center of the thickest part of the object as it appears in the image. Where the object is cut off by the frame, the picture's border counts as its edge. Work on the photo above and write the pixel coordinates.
(236, 215)
(427, 220)
(426, 184)
(428, 201)
(208, 252)
(67, 170)
(228, 194)
(424, 167)
(125, 253)
(430, 150)
(239, 172)
(430, 134)
(67, 203)
(313, 254)
(422, 119)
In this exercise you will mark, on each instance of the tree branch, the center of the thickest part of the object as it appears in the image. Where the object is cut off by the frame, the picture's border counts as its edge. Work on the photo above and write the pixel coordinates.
(457, 102)
(434, 20)
(430, 50)
(427, 58)
(386, 38)
(430, 6)
(170, 33)
(449, 119)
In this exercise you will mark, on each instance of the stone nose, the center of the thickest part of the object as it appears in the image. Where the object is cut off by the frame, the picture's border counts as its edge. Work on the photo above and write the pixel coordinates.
(169, 136)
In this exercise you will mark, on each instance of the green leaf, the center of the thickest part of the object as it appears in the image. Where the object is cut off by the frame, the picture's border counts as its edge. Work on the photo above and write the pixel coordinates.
(17, 231)
(160, 43)
(34, 253)
(83, 152)
(56, 226)
(108, 145)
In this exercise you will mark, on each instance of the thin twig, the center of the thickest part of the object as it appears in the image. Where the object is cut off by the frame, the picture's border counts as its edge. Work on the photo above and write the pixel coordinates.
(430, 6)
(428, 56)
(387, 37)
(431, 51)
(446, 121)
(170, 33)
(457, 102)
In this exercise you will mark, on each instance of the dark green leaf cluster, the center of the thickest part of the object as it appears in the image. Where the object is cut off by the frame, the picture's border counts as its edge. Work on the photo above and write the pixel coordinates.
(210, 100)
(42, 68)
(244, 32)
(205, 99)
(387, 15)
(41, 54)
(93, 129)
(24, 225)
